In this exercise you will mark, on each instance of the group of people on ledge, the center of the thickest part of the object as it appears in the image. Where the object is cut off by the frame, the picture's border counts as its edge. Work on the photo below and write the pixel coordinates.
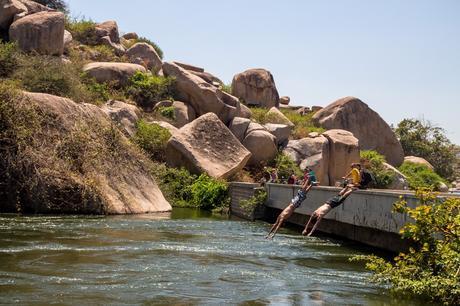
(357, 178)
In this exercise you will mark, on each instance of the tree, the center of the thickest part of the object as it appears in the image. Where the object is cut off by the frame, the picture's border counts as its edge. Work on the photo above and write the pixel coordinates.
(59, 5)
(431, 267)
(423, 139)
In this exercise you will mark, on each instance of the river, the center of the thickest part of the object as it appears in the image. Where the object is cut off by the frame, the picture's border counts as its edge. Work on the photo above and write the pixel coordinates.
(186, 257)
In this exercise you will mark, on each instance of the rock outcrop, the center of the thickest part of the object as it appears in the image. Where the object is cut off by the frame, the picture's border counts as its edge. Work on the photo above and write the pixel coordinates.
(343, 151)
(285, 100)
(110, 29)
(8, 10)
(124, 115)
(418, 160)
(202, 96)
(41, 32)
(399, 180)
(280, 131)
(83, 165)
(111, 72)
(262, 145)
(275, 116)
(311, 152)
(207, 145)
(144, 54)
(183, 113)
(256, 87)
(239, 126)
(373, 132)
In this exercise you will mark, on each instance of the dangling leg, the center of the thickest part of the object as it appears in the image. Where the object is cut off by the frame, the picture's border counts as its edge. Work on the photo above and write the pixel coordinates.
(305, 231)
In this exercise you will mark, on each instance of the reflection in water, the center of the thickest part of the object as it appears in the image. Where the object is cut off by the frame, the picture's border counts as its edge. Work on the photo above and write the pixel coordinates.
(186, 257)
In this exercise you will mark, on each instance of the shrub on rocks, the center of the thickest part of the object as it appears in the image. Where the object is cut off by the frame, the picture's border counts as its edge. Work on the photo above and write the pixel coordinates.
(152, 138)
(420, 176)
(83, 31)
(146, 90)
(8, 59)
(374, 162)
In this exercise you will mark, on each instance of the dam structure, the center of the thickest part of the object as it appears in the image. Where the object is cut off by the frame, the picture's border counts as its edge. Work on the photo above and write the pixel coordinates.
(366, 216)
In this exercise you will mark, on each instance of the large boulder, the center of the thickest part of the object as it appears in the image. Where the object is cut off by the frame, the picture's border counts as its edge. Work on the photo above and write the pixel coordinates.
(111, 72)
(418, 160)
(256, 87)
(189, 67)
(312, 152)
(284, 100)
(373, 132)
(146, 54)
(274, 115)
(183, 113)
(124, 115)
(202, 96)
(84, 166)
(343, 151)
(41, 32)
(110, 29)
(399, 180)
(207, 145)
(245, 111)
(239, 126)
(280, 131)
(8, 10)
(262, 145)
(34, 7)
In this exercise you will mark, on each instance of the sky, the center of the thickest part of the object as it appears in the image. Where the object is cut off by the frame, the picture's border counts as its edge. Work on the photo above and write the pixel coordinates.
(401, 57)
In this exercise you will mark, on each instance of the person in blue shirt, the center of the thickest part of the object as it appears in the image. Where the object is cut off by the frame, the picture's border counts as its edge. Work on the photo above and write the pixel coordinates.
(309, 175)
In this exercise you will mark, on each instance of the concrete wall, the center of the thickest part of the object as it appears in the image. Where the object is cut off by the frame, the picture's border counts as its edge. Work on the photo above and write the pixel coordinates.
(366, 215)
(243, 191)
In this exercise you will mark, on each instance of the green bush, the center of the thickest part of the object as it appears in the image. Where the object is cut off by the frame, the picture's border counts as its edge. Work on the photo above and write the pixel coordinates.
(59, 5)
(286, 167)
(152, 138)
(167, 112)
(146, 89)
(83, 31)
(253, 202)
(373, 161)
(209, 193)
(175, 184)
(420, 176)
(303, 124)
(183, 189)
(8, 59)
(226, 88)
(431, 268)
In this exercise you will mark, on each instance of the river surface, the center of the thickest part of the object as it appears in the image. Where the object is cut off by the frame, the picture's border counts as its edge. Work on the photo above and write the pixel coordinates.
(183, 258)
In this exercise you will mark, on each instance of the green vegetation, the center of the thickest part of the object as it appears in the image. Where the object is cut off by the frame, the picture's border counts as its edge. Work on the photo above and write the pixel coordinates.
(253, 202)
(167, 112)
(286, 166)
(431, 268)
(82, 30)
(152, 138)
(303, 124)
(8, 59)
(226, 88)
(183, 189)
(146, 89)
(209, 193)
(420, 176)
(420, 138)
(129, 43)
(373, 161)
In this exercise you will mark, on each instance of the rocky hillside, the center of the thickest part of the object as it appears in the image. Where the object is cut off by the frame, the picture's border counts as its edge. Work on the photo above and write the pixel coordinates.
(106, 109)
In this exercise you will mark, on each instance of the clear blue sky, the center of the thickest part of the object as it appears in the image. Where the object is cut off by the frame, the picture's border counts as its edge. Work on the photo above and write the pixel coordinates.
(400, 57)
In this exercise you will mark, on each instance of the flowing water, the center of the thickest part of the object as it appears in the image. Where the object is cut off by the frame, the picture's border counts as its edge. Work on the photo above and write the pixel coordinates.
(183, 258)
